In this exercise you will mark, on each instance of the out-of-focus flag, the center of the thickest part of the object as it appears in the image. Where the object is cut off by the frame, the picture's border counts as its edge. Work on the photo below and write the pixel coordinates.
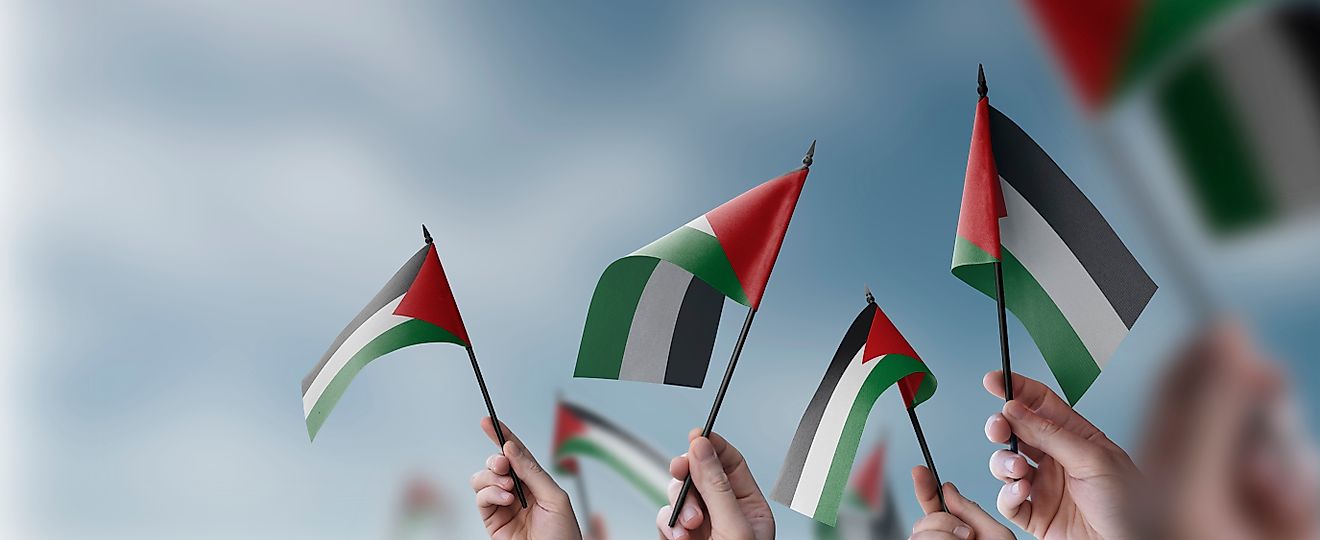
(416, 306)
(421, 514)
(868, 511)
(1067, 276)
(655, 312)
(872, 357)
(1228, 91)
(582, 433)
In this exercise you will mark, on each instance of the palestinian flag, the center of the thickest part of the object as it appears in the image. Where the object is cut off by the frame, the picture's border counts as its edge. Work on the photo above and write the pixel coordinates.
(654, 314)
(582, 433)
(1229, 89)
(868, 512)
(872, 357)
(1067, 275)
(416, 306)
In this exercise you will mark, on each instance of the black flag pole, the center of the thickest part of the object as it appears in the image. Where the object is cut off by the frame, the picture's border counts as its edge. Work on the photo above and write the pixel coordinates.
(921, 436)
(1005, 364)
(581, 486)
(728, 376)
(490, 406)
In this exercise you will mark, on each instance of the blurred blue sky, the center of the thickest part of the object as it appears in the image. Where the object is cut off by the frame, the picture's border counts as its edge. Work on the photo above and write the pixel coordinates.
(213, 189)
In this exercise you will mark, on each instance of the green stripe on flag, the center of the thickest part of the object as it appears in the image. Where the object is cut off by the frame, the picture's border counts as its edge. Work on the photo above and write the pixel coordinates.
(412, 332)
(1221, 172)
(701, 254)
(892, 367)
(610, 317)
(582, 446)
(1069, 360)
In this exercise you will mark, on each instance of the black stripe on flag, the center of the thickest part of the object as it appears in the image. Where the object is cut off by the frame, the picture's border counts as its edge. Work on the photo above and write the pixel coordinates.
(394, 288)
(694, 335)
(1024, 165)
(853, 340)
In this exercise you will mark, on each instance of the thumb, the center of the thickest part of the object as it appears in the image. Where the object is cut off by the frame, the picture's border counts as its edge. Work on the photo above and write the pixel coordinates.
(716, 491)
(1078, 455)
(542, 486)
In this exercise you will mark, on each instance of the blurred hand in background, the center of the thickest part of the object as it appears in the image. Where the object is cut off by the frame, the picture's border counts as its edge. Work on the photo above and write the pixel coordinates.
(1225, 455)
(1081, 480)
(965, 519)
(548, 516)
(725, 502)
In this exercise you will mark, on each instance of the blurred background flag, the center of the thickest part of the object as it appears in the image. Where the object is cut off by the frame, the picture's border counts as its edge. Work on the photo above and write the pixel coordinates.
(422, 512)
(1066, 274)
(582, 433)
(416, 306)
(868, 511)
(1229, 90)
(654, 314)
(872, 357)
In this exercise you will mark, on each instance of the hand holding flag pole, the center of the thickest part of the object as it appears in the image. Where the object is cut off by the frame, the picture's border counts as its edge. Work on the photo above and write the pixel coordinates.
(728, 375)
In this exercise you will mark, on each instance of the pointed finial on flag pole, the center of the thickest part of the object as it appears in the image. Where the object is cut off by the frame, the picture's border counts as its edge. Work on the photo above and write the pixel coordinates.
(869, 298)
(426, 235)
(811, 152)
(981, 88)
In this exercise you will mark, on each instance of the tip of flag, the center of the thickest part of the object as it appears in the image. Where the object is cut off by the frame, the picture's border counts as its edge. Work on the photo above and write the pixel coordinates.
(981, 88)
(870, 299)
(426, 235)
(811, 153)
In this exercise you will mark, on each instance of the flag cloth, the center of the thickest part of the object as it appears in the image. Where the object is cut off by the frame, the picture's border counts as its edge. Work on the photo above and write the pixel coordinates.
(868, 511)
(655, 312)
(582, 433)
(416, 306)
(1067, 275)
(872, 357)
(1229, 89)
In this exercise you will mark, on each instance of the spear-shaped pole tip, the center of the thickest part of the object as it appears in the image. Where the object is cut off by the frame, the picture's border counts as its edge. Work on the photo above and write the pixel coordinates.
(811, 153)
(981, 88)
(870, 299)
(426, 235)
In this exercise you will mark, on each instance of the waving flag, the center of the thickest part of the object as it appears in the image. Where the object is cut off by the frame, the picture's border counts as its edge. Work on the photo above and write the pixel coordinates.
(655, 312)
(869, 512)
(1067, 276)
(416, 306)
(582, 433)
(872, 357)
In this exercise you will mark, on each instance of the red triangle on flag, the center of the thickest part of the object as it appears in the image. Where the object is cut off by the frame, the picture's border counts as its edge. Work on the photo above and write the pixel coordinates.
(883, 339)
(430, 299)
(751, 229)
(983, 197)
(869, 480)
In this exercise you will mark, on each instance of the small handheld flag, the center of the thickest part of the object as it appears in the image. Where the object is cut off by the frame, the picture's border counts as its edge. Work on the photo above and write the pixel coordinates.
(1028, 237)
(416, 306)
(869, 511)
(872, 357)
(581, 433)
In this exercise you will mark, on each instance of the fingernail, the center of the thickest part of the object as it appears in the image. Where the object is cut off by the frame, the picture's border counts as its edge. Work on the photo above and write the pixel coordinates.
(688, 514)
(708, 453)
(990, 422)
(962, 531)
(1010, 463)
(513, 450)
(1014, 410)
(1016, 488)
(679, 533)
(506, 497)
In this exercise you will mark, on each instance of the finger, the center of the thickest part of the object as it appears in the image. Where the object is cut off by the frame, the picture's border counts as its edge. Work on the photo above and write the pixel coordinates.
(691, 516)
(489, 428)
(943, 522)
(484, 478)
(924, 487)
(491, 496)
(1038, 397)
(678, 467)
(498, 464)
(1081, 457)
(1008, 467)
(713, 485)
(735, 465)
(998, 430)
(1012, 502)
(933, 535)
(533, 475)
(968, 511)
(662, 525)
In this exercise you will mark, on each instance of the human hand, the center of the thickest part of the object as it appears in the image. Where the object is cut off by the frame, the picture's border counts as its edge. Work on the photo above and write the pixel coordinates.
(1081, 480)
(548, 516)
(726, 503)
(965, 519)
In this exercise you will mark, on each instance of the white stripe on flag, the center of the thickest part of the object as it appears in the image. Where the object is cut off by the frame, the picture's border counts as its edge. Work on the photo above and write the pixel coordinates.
(379, 322)
(628, 454)
(816, 467)
(702, 224)
(1027, 235)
